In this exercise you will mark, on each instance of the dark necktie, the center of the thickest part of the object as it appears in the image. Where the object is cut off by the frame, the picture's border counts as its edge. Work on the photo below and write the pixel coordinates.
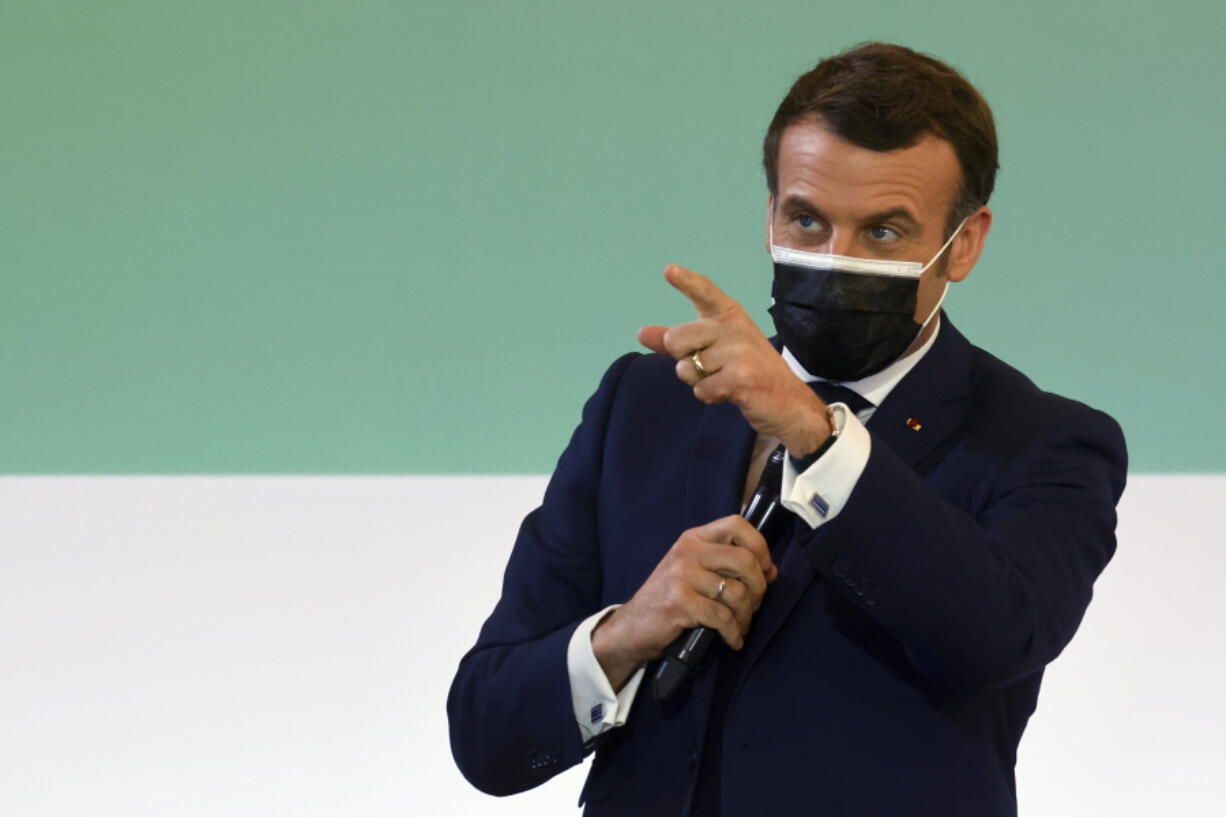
(707, 786)
(834, 393)
(727, 669)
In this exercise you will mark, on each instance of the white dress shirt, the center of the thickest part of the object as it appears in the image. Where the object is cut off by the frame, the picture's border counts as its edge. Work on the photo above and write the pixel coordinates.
(832, 477)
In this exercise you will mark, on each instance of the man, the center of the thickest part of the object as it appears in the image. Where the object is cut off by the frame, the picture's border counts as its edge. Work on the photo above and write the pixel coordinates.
(947, 518)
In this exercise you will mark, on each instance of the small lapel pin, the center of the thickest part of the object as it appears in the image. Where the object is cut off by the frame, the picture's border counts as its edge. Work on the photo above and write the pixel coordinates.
(914, 424)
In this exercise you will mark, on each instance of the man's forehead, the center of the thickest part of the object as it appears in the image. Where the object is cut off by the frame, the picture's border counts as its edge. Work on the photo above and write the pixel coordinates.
(818, 165)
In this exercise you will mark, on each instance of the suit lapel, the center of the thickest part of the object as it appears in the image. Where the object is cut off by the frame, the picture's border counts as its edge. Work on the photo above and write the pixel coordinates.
(930, 402)
(715, 476)
(932, 396)
(795, 572)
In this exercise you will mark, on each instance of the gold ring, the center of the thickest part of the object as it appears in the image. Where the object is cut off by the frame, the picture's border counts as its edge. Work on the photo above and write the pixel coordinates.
(702, 372)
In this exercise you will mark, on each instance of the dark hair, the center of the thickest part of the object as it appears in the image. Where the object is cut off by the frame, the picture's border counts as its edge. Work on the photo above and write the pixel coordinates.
(883, 97)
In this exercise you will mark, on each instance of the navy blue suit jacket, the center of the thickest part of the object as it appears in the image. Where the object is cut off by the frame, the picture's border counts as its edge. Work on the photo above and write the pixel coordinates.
(895, 661)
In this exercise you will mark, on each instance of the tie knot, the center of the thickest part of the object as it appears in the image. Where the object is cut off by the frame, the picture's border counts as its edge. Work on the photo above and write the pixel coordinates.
(833, 393)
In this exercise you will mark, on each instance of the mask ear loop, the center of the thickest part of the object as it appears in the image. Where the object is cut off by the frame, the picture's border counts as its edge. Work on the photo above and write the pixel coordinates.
(945, 289)
(944, 246)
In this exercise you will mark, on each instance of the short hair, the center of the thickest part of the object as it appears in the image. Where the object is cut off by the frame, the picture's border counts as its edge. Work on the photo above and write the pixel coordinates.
(883, 96)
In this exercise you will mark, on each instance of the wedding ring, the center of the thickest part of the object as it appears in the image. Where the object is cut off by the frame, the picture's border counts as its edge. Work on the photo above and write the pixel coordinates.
(719, 591)
(702, 372)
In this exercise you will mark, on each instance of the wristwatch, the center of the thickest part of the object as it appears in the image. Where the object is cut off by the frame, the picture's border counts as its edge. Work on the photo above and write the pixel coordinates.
(801, 464)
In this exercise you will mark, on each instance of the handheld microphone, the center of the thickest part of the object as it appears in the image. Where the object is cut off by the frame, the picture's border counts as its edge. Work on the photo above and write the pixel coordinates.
(683, 657)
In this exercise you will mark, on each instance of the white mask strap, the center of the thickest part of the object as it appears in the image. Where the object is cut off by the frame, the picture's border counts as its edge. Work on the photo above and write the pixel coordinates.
(770, 232)
(937, 308)
(945, 246)
(944, 289)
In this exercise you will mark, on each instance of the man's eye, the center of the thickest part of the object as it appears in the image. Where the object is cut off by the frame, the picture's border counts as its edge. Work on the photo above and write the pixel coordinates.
(883, 233)
(806, 222)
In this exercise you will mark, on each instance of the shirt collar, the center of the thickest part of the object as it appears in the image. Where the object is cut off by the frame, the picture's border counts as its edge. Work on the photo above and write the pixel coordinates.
(875, 387)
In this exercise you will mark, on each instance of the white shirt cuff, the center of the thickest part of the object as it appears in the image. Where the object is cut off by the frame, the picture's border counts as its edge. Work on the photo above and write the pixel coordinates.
(597, 707)
(818, 494)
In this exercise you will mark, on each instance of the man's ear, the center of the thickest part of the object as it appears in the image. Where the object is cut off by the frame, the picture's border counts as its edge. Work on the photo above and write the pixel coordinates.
(766, 225)
(968, 246)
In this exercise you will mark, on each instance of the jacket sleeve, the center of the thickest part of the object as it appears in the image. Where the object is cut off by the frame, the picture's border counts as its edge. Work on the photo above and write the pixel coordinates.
(511, 719)
(985, 597)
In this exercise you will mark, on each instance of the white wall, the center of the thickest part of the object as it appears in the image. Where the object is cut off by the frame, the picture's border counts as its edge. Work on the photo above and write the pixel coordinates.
(283, 646)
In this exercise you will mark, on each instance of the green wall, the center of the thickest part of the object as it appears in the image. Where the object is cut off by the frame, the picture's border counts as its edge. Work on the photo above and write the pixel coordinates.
(363, 236)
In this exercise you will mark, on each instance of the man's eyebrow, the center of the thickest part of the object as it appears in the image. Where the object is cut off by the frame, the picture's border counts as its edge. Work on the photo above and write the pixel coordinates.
(895, 214)
(794, 204)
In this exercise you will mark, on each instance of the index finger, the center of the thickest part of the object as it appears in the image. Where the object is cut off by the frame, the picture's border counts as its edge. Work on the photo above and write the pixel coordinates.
(736, 530)
(707, 298)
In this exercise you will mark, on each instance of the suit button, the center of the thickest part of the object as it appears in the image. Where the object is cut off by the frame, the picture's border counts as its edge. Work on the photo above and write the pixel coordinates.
(840, 568)
(692, 759)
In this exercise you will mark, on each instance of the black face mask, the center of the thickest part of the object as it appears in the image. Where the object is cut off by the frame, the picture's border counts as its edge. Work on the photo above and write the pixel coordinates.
(843, 326)
(846, 318)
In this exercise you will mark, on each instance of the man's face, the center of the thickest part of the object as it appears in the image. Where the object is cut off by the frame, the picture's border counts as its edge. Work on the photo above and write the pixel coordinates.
(840, 198)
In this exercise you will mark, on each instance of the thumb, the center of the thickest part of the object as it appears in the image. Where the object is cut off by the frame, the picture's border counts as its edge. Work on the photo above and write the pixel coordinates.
(653, 338)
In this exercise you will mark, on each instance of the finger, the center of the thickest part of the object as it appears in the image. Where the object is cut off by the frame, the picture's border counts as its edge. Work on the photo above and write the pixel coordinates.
(687, 369)
(707, 298)
(733, 590)
(653, 338)
(710, 613)
(738, 598)
(736, 530)
(687, 372)
(714, 388)
(684, 339)
(745, 535)
(735, 563)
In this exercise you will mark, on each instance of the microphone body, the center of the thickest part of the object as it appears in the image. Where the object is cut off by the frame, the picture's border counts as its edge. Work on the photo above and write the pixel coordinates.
(684, 656)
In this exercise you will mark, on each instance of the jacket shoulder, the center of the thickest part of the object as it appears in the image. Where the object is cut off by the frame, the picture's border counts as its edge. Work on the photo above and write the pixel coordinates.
(993, 380)
(1022, 414)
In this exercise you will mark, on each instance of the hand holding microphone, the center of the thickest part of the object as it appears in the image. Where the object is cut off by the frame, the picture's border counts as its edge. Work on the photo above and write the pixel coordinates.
(683, 593)
(684, 656)
(703, 587)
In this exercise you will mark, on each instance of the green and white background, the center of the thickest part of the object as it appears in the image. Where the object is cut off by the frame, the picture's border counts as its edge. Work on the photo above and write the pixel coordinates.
(299, 302)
